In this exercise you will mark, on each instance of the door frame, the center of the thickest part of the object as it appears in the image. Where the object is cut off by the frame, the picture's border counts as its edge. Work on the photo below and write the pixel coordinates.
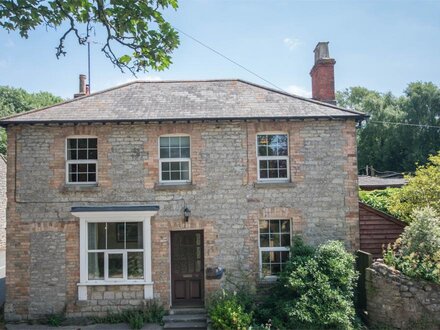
(203, 266)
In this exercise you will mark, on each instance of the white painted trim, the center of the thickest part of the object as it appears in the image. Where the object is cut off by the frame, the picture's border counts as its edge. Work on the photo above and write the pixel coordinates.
(115, 216)
(175, 159)
(80, 161)
(287, 158)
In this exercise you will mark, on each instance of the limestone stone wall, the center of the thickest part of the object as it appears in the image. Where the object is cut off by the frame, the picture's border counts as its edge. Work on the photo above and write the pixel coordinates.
(224, 197)
(2, 203)
(396, 300)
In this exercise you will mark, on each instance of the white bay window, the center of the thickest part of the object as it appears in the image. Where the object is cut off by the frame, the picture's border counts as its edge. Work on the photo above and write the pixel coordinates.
(115, 247)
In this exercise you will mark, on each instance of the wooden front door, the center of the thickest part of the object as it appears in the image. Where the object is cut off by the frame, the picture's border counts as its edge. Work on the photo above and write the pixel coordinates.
(187, 268)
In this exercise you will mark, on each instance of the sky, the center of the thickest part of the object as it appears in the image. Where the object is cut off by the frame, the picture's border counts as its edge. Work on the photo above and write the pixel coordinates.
(381, 45)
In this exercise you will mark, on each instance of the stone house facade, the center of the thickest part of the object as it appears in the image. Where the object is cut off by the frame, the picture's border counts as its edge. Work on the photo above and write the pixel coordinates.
(154, 189)
(2, 202)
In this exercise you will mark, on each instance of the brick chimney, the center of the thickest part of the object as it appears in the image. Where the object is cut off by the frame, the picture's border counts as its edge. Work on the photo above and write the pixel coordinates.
(83, 88)
(323, 75)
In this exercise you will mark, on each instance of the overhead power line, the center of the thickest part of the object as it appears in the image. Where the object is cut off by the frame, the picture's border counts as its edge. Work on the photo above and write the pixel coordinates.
(402, 124)
(229, 59)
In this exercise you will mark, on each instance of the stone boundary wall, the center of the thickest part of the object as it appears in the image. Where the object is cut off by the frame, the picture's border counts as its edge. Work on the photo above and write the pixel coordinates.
(399, 301)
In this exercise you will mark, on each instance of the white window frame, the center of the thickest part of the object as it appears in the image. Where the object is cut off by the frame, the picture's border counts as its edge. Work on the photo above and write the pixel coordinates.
(287, 179)
(114, 216)
(80, 161)
(167, 160)
(271, 249)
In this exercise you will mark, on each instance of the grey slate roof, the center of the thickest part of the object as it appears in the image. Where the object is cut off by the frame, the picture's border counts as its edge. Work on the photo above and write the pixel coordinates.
(377, 182)
(183, 100)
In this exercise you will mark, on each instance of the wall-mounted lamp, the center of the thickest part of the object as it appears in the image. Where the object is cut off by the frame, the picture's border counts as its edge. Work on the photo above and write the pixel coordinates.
(186, 214)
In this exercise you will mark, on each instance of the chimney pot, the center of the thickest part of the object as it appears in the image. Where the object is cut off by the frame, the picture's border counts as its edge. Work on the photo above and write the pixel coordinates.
(82, 86)
(323, 75)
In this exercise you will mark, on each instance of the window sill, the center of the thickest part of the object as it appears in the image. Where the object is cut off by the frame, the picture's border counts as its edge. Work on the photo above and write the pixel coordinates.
(174, 186)
(274, 185)
(115, 283)
(72, 187)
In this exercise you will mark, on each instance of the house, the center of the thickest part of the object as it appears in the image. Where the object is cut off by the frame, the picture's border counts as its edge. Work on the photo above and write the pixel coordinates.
(154, 189)
(367, 182)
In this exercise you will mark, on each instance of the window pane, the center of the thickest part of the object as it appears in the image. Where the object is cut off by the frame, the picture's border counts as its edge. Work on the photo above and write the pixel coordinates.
(115, 235)
(115, 265)
(263, 174)
(96, 265)
(165, 141)
(82, 168)
(93, 143)
(135, 264)
(82, 143)
(185, 152)
(285, 240)
(91, 168)
(285, 226)
(93, 154)
(174, 141)
(274, 226)
(165, 166)
(284, 256)
(184, 166)
(73, 178)
(273, 164)
(273, 174)
(72, 154)
(82, 177)
(82, 153)
(275, 240)
(174, 152)
(282, 174)
(165, 176)
(275, 269)
(272, 151)
(262, 151)
(264, 226)
(175, 175)
(266, 269)
(175, 166)
(264, 240)
(282, 163)
(184, 141)
(96, 236)
(91, 177)
(265, 257)
(164, 152)
(72, 144)
(134, 235)
(264, 164)
(262, 140)
(185, 175)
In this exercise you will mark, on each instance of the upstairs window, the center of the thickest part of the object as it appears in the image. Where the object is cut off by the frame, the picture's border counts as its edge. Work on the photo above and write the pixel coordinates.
(175, 161)
(82, 159)
(272, 157)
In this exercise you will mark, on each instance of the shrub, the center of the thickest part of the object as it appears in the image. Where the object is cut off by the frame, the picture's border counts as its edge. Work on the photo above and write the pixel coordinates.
(380, 199)
(315, 290)
(227, 312)
(417, 252)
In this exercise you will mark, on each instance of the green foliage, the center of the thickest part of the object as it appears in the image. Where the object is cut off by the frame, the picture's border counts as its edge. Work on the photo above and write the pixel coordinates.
(16, 100)
(423, 189)
(386, 146)
(150, 313)
(134, 26)
(380, 199)
(226, 311)
(315, 291)
(55, 320)
(417, 252)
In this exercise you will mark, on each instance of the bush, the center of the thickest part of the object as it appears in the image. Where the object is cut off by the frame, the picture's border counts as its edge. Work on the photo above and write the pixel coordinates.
(380, 199)
(226, 311)
(417, 252)
(315, 290)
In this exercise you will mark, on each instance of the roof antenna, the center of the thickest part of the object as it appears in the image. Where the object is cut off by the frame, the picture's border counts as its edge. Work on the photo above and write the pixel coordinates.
(88, 66)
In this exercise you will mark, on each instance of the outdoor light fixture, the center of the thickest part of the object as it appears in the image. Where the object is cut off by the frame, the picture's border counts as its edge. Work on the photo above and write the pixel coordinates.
(186, 213)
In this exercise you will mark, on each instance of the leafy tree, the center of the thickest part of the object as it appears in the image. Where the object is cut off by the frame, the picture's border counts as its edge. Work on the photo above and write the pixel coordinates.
(138, 27)
(422, 190)
(387, 146)
(16, 100)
